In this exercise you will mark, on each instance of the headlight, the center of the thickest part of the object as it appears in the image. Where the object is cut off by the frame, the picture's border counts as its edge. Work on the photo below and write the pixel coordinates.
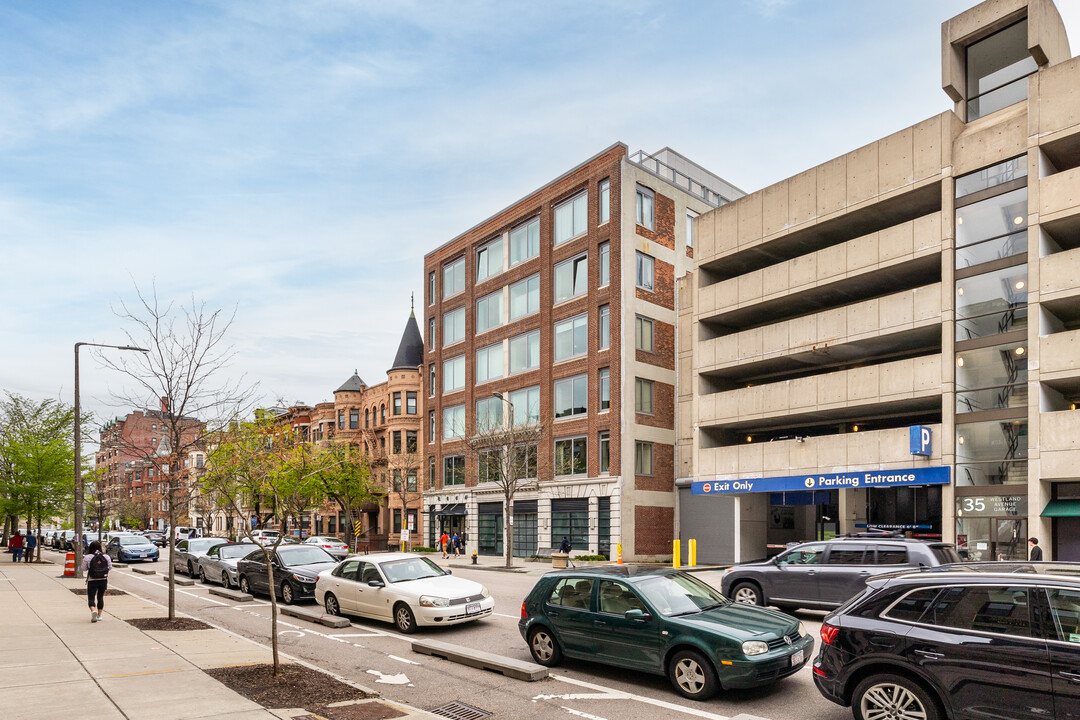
(484, 591)
(754, 647)
(802, 630)
(304, 578)
(432, 601)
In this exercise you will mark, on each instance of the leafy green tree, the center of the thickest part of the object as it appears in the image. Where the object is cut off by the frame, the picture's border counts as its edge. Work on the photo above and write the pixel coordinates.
(346, 478)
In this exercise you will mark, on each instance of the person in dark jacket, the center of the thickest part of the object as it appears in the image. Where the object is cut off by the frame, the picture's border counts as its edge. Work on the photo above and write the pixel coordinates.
(96, 565)
(1036, 552)
(564, 546)
(29, 545)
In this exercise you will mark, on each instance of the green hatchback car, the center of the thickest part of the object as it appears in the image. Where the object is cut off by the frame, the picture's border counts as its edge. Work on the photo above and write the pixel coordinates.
(661, 621)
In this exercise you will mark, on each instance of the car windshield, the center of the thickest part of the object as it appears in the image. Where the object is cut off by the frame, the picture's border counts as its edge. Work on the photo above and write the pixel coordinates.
(229, 552)
(204, 544)
(132, 540)
(410, 569)
(945, 554)
(679, 594)
(304, 555)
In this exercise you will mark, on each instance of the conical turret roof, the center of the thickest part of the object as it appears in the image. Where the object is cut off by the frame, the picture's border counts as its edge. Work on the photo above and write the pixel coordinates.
(353, 384)
(410, 352)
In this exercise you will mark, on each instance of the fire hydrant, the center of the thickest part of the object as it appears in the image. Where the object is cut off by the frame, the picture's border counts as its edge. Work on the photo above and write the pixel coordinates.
(473, 557)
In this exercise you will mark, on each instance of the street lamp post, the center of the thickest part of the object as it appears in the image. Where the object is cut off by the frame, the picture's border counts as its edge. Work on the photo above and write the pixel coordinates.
(79, 489)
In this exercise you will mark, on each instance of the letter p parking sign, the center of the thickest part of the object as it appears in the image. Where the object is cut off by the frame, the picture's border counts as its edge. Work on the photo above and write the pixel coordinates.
(921, 442)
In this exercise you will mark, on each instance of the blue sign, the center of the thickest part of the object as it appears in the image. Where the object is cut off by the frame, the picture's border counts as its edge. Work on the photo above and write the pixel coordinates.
(887, 526)
(920, 440)
(254, 521)
(829, 481)
(819, 497)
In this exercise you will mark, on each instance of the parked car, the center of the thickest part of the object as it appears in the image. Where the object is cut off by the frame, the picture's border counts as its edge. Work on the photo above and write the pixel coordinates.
(826, 574)
(266, 537)
(296, 568)
(131, 548)
(984, 640)
(186, 533)
(64, 540)
(405, 589)
(661, 621)
(156, 537)
(218, 565)
(186, 554)
(330, 544)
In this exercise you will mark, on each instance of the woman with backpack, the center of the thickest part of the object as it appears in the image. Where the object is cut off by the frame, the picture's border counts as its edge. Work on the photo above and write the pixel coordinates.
(96, 565)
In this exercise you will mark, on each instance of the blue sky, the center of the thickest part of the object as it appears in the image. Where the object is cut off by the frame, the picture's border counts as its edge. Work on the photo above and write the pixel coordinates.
(296, 160)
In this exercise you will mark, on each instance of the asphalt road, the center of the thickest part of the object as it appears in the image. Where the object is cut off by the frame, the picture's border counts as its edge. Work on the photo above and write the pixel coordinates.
(377, 656)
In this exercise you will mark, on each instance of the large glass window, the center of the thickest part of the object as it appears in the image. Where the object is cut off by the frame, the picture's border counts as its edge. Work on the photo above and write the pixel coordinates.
(999, 174)
(571, 278)
(489, 363)
(525, 241)
(691, 216)
(991, 303)
(525, 297)
(643, 458)
(992, 378)
(489, 312)
(454, 278)
(643, 396)
(984, 608)
(646, 200)
(526, 404)
(605, 327)
(453, 374)
(605, 388)
(571, 456)
(571, 218)
(572, 396)
(571, 337)
(644, 271)
(997, 70)
(489, 414)
(488, 466)
(992, 453)
(453, 327)
(489, 529)
(525, 352)
(605, 264)
(570, 519)
(489, 260)
(605, 452)
(995, 217)
(643, 334)
(453, 422)
(454, 470)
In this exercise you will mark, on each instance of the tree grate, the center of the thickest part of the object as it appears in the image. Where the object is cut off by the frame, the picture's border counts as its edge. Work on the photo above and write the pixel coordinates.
(460, 711)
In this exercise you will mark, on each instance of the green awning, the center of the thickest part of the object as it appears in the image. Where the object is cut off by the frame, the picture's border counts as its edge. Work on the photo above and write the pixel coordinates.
(1062, 508)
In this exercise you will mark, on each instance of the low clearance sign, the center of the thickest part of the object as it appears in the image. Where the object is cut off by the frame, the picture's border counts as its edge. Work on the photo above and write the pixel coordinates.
(830, 481)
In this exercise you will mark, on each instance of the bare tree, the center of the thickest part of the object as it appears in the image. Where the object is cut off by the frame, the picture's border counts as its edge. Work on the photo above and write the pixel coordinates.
(184, 370)
(347, 480)
(405, 470)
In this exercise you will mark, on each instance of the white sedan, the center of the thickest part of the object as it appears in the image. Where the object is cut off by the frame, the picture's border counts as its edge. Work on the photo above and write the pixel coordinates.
(405, 589)
(330, 544)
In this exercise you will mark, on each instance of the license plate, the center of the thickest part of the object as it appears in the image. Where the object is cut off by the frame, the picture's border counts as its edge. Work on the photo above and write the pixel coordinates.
(142, 554)
(796, 658)
(472, 608)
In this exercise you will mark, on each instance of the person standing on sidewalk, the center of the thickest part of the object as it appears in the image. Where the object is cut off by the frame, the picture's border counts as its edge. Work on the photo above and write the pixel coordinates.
(444, 544)
(456, 542)
(16, 546)
(30, 544)
(97, 565)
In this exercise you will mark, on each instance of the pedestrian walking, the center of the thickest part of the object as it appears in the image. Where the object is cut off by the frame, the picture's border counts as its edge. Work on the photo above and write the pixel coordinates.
(444, 544)
(456, 542)
(16, 546)
(1033, 542)
(29, 545)
(97, 565)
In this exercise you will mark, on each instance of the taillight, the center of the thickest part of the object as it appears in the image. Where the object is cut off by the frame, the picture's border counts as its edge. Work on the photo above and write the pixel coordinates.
(829, 633)
(523, 613)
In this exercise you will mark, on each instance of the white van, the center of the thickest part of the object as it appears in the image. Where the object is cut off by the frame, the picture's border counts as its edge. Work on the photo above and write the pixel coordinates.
(186, 533)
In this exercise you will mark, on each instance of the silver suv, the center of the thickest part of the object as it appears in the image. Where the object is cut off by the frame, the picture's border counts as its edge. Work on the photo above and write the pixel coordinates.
(827, 574)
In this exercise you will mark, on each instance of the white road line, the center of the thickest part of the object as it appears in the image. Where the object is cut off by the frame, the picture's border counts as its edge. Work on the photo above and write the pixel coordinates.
(585, 715)
(620, 695)
(401, 659)
(512, 617)
(165, 586)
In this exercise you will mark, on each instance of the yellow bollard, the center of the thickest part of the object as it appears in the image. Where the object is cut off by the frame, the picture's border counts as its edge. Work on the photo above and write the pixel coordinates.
(676, 556)
(693, 552)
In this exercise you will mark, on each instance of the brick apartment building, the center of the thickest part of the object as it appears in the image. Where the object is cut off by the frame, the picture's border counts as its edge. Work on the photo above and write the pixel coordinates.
(564, 304)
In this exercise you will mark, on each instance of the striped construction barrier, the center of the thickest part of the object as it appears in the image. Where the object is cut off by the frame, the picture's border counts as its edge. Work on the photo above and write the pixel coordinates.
(69, 565)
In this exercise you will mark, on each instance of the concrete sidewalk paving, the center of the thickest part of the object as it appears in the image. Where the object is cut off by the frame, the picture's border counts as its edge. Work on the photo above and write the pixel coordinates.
(56, 664)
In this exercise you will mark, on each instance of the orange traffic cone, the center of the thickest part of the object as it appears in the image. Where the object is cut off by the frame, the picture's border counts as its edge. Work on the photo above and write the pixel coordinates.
(69, 565)
(618, 555)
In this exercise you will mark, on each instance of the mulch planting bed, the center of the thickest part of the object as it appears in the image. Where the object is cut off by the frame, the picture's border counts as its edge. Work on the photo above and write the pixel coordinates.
(164, 623)
(294, 687)
(364, 711)
(108, 591)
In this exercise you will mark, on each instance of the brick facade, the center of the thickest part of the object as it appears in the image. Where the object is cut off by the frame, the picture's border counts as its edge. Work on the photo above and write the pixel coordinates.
(655, 529)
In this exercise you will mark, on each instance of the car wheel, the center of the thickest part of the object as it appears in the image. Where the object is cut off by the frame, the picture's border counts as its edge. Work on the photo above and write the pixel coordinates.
(190, 570)
(331, 605)
(202, 577)
(225, 579)
(244, 587)
(895, 697)
(692, 675)
(544, 647)
(404, 619)
(747, 593)
(286, 593)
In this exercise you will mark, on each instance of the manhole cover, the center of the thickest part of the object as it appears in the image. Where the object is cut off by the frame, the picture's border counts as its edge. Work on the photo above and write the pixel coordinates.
(460, 711)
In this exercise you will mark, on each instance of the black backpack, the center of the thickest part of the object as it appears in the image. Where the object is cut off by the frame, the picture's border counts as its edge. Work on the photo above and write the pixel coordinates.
(99, 567)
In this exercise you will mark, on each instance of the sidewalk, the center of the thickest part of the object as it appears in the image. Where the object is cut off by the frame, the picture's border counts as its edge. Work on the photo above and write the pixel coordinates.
(56, 664)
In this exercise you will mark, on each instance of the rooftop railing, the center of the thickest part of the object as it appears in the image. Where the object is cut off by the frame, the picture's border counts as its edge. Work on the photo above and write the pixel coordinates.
(679, 179)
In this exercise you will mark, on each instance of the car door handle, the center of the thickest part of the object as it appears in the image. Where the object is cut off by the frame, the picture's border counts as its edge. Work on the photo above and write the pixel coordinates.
(929, 654)
(599, 622)
(811, 572)
(1071, 677)
(553, 613)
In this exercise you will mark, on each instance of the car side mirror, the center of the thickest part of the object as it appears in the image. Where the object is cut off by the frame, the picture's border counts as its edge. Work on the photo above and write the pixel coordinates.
(376, 583)
(638, 615)
(448, 571)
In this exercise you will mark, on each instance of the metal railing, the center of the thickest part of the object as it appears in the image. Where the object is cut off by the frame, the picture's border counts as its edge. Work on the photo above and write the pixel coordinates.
(679, 179)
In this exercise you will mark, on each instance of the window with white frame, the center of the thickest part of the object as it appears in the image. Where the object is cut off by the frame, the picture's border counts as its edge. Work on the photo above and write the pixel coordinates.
(431, 426)
(644, 271)
(453, 422)
(643, 396)
(526, 402)
(605, 388)
(605, 326)
(525, 297)
(525, 456)
(572, 337)
(453, 327)
(571, 456)
(489, 259)
(489, 312)
(572, 396)
(643, 458)
(525, 352)
(489, 363)
(646, 201)
(488, 466)
(453, 374)
(453, 278)
(489, 414)
(643, 334)
(691, 216)
(605, 200)
(525, 242)
(571, 278)
(605, 264)
(571, 218)
(431, 334)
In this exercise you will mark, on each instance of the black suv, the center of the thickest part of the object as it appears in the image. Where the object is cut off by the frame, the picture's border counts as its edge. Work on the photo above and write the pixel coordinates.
(826, 574)
(985, 640)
